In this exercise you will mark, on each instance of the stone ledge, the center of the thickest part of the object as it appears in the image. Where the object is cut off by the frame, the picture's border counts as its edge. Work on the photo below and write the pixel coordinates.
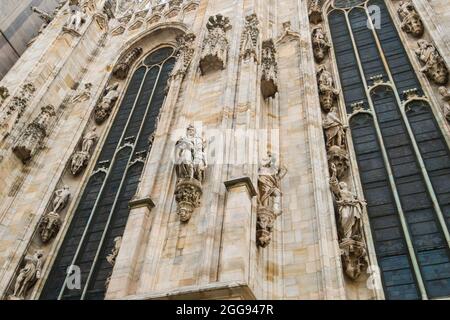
(241, 181)
(143, 202)
(217, 290)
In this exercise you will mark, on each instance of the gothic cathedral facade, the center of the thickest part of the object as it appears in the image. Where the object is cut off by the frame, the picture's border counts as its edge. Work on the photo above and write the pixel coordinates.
(206, 149)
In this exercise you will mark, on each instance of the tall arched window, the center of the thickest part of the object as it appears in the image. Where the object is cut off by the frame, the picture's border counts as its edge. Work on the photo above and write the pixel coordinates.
(103, 207)
(403, 158)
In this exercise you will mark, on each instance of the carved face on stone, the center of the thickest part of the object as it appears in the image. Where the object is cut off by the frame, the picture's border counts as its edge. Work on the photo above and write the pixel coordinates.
(49, 226)
(415, 26)
(440, 75)
(190, 131)
(327, 100)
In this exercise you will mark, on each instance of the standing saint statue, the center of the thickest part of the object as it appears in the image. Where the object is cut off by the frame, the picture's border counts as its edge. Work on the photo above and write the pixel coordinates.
(334, 129)
(89, 140)
(61, 197)
(28, 274)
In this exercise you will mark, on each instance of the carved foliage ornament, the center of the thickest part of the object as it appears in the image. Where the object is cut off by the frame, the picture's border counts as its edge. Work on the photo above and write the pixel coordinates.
(18, 103)
(215, 45)
(411, 22)
(190, 168)
(269, 76)
(31, 140)
(185, 52)
(433, 64)
(28, 275)
(269, 198)
(320, 43)
(124, 65)
(250, 37)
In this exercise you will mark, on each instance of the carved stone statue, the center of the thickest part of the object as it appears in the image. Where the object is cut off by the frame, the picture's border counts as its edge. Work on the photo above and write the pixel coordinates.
(315, 12)
(250, 36)
(123, 67)
(327, 92)
(28, 275)
(411, 22)
(81, 158)
(334, 129)
(351, 242)
(82, 96)
(111, 258)
(49, 226)
(269, 75)
(190, 166)
(214, 54)
(269, 198)
(185, 52)
(446, 97)
(45, 17)
(31, 140)
(433, 64)
(338, 157)
(4, 94)
(61, 198)
(76, 19)
(17, 105)
(320, 44)
(103, 109)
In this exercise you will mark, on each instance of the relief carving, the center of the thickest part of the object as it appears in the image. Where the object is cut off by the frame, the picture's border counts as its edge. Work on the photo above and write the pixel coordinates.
(327, 91)
(351, 242)
(269, 198)
(81, 158)
(104, 108)
(185, 52)
(320, 44)
(249, 39)
(18, 103)
(31, 140)
(190, 167)
(124, 65)
(269, 76)
(433, 65)
(215, 45)
(28, 275)
(411, 22)
(315, 12)
(446, 97)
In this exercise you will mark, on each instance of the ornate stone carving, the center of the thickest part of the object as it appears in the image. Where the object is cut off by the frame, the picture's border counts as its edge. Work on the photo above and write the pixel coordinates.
(433, 65)
(111, 258)
(4, 94)
(351, 242)
(249, 38)
(334, 129)
(83, 95)
(411, 22)
(61, 198)
(104, 108)
(81, 158)
(320, 43)
(446, 97)
(28, 275)
(327, 91)
(269, 198)
(17, 104)
(215, 45)
(49, 226)
(76, 20)
(109, 8)
(190, 167)
(269, 76)
(31, 140)
(315, 12)
(338, 157)
(185, 52)
(123, 67)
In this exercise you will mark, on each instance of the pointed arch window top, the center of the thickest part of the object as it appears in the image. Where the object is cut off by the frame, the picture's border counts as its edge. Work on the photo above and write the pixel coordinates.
(342, 4)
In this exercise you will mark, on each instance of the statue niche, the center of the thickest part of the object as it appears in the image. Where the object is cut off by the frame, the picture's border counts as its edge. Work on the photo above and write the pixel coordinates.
(320, 44)
(190, 167)
(269, 75)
